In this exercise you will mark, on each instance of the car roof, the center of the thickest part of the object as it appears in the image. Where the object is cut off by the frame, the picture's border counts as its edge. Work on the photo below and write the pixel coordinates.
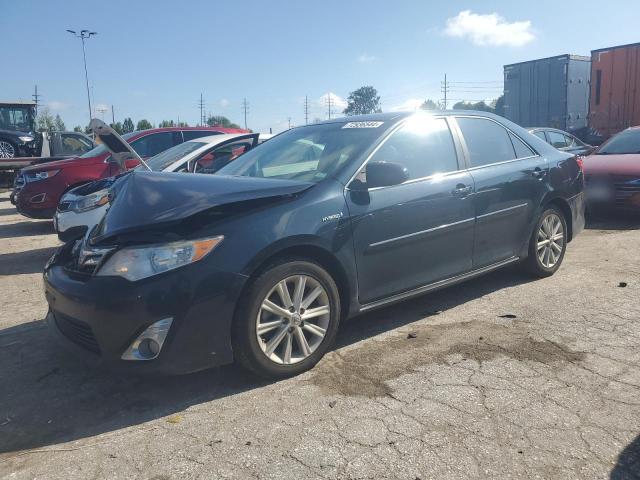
(139, 133)
(219, 138)
(394, 116)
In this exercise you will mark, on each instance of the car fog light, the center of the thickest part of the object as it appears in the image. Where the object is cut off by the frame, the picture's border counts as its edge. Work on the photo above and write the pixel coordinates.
(149, 343)
(38, 198)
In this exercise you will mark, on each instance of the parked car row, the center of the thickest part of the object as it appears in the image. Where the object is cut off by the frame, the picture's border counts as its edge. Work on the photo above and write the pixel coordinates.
(81, 208)
(38, 188)
(261, 260)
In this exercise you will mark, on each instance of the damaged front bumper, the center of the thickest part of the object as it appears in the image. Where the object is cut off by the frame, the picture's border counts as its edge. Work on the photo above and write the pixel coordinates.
(100, 318)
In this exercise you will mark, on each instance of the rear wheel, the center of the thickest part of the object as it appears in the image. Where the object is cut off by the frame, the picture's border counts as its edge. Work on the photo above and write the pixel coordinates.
(548, 243)
(287, 320)
(7, 149)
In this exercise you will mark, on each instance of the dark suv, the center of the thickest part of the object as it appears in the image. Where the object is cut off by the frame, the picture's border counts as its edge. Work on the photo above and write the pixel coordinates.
(261, 261)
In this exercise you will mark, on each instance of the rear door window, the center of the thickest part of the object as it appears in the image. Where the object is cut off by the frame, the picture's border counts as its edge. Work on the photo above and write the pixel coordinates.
(522, 149)
(487, 141)
(191, 134)
(540, 134)
(557, 139)
(153, 144)
(423, 146)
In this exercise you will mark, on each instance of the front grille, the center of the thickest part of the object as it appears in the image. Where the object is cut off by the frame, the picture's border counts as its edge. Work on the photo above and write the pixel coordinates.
(78, 332)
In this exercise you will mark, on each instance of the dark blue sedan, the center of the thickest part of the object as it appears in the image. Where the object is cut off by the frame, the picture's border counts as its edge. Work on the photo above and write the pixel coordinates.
(260, 262)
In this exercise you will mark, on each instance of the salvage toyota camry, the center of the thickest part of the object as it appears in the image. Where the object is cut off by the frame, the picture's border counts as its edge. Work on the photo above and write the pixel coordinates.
(260, 262)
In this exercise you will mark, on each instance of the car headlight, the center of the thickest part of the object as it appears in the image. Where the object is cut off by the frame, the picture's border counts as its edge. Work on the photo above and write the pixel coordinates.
(89, 202)
(26, 138)
(135, 263)
(43, 175)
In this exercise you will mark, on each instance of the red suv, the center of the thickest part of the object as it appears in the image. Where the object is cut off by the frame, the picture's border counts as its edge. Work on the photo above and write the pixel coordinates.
(38, 188)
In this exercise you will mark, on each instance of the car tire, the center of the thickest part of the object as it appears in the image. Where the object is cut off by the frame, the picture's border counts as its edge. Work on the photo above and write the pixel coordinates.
(548, 243)
(258, 325)
(8, 149)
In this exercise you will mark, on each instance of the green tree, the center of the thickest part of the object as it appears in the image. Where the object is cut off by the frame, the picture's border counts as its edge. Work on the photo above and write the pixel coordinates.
(144, 124)
(363, 100)
(220, 121)
(498, 106)
(166, 123)
(77, 128)
(429, 105)
(127, 125)
(59, 124)
(117, 127)
(45, 121)
(479, 106)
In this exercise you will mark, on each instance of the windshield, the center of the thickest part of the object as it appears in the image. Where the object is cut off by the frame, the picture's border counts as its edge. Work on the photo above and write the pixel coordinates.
(166, 158)
(16, 118)
(100, 149)
(624, 143)
(308, 153)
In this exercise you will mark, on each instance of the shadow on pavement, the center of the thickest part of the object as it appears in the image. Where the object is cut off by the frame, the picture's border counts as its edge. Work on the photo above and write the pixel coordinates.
(7, 211)
(48, 397)
(628, 465)
(613, 221)
(26, 229)
(31, 261)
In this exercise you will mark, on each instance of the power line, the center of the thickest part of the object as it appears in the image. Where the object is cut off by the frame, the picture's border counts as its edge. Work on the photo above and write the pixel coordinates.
(36, 98)
(245, 109)
(328, 104)
(444, 88)
(201, 106)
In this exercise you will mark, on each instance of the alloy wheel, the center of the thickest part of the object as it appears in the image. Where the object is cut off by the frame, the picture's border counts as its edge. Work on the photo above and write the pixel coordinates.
(550, 241)
(293, 319)
(7, 150)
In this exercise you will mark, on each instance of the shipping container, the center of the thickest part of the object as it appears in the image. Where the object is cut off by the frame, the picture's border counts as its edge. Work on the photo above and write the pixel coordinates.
(615, 88)
(548, 92)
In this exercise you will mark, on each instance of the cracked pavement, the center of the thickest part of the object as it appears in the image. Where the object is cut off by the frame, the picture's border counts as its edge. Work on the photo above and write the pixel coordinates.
(500, 377)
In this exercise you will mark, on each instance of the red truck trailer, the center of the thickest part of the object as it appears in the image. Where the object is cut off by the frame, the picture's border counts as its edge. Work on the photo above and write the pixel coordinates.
(614, 102)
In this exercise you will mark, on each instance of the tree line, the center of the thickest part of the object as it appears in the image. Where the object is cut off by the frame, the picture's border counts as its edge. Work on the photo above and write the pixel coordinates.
(366, 100)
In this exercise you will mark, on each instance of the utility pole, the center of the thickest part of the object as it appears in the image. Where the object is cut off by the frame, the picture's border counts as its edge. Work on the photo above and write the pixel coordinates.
(289, 120)
(306, 110)
(83, 35)
(328, 103)
(113, 116)
(445, 90)
(201, 106)
(245, 109)
(36, 98)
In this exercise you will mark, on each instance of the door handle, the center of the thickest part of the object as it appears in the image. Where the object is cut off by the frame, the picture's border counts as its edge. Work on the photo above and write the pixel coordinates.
(461, 190)
(538, 172)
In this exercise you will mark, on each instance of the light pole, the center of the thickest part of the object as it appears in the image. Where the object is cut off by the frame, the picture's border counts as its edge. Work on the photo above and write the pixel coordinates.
(84, 34)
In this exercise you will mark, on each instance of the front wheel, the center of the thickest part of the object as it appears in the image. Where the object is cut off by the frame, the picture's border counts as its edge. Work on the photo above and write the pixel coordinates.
(7, 149)
(548, 243)
(287, 319)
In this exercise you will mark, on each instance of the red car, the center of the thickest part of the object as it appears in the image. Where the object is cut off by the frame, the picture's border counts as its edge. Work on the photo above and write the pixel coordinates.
(38, 188)
(612, 173)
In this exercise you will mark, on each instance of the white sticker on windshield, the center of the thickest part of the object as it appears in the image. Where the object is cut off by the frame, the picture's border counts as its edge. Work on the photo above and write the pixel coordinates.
(362, 124)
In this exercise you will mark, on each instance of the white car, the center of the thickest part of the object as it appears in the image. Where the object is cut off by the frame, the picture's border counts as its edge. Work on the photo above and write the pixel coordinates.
(81, 208)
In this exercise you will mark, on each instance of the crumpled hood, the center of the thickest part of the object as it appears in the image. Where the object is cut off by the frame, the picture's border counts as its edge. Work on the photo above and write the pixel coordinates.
(142, 199)
(612, 164)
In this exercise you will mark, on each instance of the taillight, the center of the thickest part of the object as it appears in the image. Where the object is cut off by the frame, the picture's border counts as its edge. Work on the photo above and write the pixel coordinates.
(580, 162)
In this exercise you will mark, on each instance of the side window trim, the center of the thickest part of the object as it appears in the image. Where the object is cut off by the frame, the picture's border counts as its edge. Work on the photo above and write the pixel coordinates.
(466, 150)
(456, 144)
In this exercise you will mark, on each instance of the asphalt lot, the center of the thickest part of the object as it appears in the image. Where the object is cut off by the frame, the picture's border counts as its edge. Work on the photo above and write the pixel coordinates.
(501, 377)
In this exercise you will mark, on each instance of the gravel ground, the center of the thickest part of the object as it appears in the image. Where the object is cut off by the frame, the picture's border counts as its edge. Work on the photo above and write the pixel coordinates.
(501, 377)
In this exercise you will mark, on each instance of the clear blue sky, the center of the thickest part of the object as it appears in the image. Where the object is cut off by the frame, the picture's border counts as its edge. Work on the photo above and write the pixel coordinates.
(152, 59)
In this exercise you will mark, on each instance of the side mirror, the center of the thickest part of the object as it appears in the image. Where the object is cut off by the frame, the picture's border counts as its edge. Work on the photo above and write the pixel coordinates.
(385, 174)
